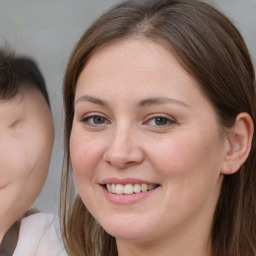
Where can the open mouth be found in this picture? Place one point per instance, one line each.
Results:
(129, 189)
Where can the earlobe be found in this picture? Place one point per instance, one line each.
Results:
(238, 143)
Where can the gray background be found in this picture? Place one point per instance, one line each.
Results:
(47, 30)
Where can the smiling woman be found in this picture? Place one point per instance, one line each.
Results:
(159, 100)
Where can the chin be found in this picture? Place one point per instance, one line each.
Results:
(126, 231)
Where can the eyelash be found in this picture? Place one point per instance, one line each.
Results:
(87, 119)
(167, 119)
(163, 118)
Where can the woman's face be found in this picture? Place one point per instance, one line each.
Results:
(146, 147)
(26, 138)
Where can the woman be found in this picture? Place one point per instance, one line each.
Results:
(160, 110)
(26, 135)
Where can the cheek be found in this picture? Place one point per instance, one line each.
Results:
(189, 169)
(21, 156)
(85, 154)
(187, 154)
(13, 158)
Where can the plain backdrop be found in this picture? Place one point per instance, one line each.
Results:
(48, 30)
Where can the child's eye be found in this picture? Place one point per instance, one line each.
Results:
(160, 121)
(94, 120)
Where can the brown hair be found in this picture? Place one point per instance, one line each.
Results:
(212, 50)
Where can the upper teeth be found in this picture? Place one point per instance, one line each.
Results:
(129, 188)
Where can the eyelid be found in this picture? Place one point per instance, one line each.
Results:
(170, 119)
(86, 117)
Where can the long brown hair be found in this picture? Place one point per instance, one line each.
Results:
(212, 50)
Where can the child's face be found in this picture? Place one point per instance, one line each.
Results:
(26, 139)
(145, 145)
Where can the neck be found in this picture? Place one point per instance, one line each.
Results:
(192, 239)
(166, 247)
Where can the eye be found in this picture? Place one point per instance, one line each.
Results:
(94, 120)
(160, 121)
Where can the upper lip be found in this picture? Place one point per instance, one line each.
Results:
(124, 181)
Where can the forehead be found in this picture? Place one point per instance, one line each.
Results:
(137, 63)
(130, 51)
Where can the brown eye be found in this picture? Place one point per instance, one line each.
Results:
(161, 121)
(94, 120)
(98, 120)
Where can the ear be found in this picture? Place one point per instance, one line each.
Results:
(238, 144)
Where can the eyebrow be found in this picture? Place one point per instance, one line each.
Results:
(142, 103)
(92, 100)
(161, 100)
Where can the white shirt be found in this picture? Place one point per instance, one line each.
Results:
(39, 236)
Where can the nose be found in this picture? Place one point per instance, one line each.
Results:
(123, 150)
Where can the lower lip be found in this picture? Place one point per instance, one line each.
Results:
(127, 199)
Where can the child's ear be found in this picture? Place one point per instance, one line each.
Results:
(238, 144)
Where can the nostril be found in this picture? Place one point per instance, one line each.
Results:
(123, 158)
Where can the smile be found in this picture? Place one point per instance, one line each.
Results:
(129, 189)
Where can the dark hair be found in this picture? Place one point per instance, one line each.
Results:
(17, 73)
(212, 50)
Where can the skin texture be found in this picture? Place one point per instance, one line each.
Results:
(185, 155)
(26, 135)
